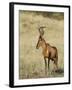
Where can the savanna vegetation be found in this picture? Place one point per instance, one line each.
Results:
(31, 62)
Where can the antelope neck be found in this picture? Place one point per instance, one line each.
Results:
(43, 45)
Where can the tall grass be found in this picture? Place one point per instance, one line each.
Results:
(31, 62)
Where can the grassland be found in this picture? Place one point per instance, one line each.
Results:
(31, 62)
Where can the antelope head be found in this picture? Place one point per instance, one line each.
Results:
(40, 40)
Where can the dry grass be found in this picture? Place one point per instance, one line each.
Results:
(31, 59)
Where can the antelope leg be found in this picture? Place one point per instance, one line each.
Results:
(48, 63)
(45, 66)
(56, 64)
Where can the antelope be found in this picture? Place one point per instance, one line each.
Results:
(49, 52)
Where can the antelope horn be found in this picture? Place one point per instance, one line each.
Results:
(41, 31)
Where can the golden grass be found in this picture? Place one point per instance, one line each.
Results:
(31, 62)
